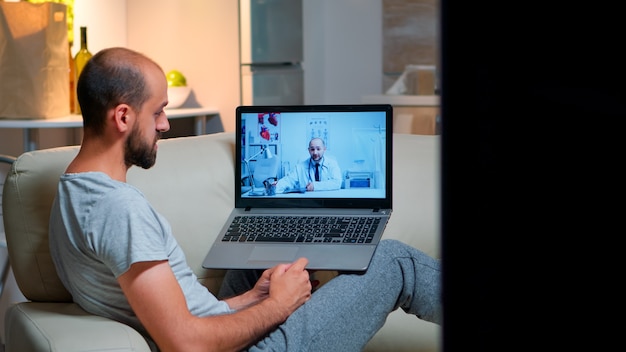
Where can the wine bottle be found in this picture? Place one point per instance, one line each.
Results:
(82, 56)
(72, 73)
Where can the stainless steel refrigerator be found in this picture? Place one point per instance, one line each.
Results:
(271, 52)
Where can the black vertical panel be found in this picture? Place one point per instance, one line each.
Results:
(533, 99)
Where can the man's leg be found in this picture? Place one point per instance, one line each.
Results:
(237, 282)
(346, 312)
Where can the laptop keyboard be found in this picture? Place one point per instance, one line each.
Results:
(304, 229)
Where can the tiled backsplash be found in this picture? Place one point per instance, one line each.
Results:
(410, 37)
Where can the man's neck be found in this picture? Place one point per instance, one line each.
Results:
(98, 157)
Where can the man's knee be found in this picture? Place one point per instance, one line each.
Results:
(389, 246)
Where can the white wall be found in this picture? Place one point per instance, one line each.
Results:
(198, 38)
(105, 21)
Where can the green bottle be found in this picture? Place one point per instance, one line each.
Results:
(82, 56)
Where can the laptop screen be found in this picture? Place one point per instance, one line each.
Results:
(336, 156)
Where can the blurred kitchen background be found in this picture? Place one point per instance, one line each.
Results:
(353, 51)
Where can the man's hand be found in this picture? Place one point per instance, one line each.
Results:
(309, 187)
(290, 285)
(283, 279)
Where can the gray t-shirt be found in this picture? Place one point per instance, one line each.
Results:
(98, 228)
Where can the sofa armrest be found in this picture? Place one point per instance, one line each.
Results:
(33, 326)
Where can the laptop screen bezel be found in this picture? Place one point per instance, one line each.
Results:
(279, 202)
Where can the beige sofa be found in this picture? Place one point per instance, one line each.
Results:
(192, 186)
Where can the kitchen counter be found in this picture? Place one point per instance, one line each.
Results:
(30, 126)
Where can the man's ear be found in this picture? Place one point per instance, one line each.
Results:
(122, 118)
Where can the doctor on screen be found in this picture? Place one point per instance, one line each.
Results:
(317, 173)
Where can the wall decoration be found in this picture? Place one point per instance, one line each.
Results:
(269, 126)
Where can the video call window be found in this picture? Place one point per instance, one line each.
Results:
(275, 144)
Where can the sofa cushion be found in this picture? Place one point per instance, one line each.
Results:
(56, 326)
(28, 193)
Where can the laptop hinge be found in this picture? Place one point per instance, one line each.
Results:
(375, 210)
(248, 208)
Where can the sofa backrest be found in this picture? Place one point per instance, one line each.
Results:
(191, 185)
(28, 194)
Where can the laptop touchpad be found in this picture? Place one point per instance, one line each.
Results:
(274, 253)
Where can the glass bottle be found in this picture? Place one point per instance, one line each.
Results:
(80, 60)
(72, 73)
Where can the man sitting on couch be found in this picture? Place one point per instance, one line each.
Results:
(118, 258)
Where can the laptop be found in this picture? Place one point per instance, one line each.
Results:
(338, 224)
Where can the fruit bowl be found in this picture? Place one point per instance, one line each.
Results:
(177, 96)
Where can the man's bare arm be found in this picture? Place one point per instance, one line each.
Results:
(159, 303)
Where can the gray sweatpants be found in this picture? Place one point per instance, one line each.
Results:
(345, 313)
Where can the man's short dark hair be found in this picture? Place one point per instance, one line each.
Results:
(111, 77)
